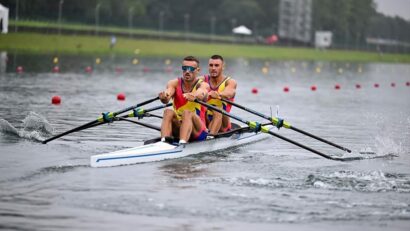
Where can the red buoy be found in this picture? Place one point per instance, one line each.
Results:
(56, 69)
(313, 88)
(393, 84)
(118, 70)
(376, 85)
(255, 90)
(145, 69)
(408, 84)
(168, 69)
(337, 86)
(358, 86)
(286, 89)
(56, 99)
(88, 69)
(121, 96)
(19, 69)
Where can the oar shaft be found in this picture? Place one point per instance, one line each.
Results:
(97, 122)
(247, 109)
(290, 127)
(302, 146)
(320, 139)
(269, 132)
(141, 123)
(138, 105)
(158, 107)
(90, 124)
(221, 111)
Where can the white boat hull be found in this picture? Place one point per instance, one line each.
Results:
(162, 150)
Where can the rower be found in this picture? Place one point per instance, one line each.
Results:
(221, 86)
(187, 119)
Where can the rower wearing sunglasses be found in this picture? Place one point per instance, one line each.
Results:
(187, 119)
(221, 86)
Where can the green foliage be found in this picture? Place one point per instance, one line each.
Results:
(90, 45)
(351, 21)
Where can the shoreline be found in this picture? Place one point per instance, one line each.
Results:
(37, 43)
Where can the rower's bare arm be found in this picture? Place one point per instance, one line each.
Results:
(230, 89)
(202, 92)
(166, 95)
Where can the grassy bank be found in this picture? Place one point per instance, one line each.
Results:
(90, 45)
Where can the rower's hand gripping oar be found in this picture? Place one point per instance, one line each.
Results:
(105, 118)
(281, 123)
(258, 127)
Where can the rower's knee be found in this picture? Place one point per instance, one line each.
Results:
(168, 114)
(217, 116)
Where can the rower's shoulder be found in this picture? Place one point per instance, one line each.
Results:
(173, 81)
(230, 80)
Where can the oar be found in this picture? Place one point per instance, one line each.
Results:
(136, 112)
(264, 129)
(139, 123)
(140, 112)
(279, 123)
(101, 120)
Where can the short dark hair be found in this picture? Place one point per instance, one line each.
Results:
(217, 57)
(191, 58)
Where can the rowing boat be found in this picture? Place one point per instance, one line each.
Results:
(156, 150)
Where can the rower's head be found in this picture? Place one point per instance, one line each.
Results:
(190, 68)
(216, 66)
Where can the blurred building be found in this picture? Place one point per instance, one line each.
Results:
(295, 20)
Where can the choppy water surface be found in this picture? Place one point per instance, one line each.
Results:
(271, 184)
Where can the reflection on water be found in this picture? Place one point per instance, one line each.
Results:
(3, 61)
(269, 182)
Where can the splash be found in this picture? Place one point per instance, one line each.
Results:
(374, 181)
(386, 145)
(35, 127)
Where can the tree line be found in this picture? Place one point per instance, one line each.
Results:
(351, 21)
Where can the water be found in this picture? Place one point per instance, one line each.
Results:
(263, 186)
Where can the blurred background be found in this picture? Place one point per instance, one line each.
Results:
(372, 25)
